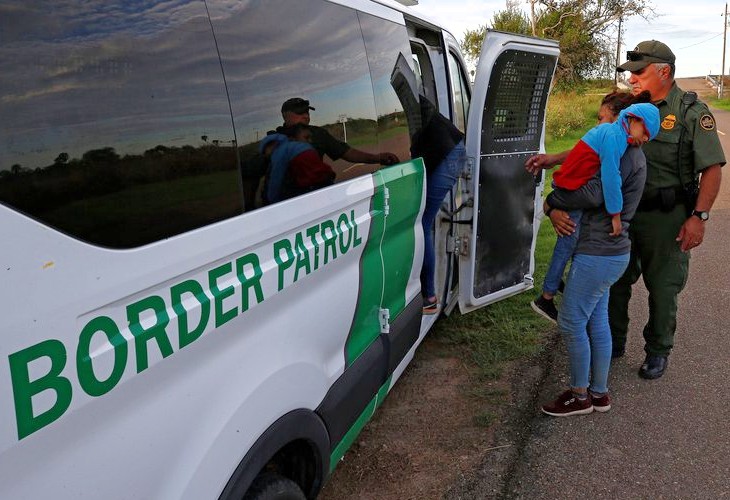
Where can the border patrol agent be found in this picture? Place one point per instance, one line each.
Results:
(683, 178)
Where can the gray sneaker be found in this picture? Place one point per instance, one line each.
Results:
(545, 308)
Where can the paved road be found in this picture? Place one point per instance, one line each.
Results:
(663, 439)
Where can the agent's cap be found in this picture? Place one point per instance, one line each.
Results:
(646, 53)
(296, 105)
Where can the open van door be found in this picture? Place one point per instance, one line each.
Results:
(506, 125)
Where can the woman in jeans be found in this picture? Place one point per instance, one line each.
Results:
(599, 260)
(441, 145)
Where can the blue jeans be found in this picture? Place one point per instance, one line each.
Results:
(438, 184)
(563, 251)
(583, 318)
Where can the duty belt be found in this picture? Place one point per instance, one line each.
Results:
(664, 199)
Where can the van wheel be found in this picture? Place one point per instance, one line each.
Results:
(271, 486)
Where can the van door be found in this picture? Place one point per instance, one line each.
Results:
(506, 125)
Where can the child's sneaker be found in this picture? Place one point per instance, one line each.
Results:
(568, 404)
(601, 404)
(545, 308)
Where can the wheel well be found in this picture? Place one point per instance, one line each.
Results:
(298, 462)
(296, 446)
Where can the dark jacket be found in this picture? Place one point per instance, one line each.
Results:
(436, 138)
(594, 238)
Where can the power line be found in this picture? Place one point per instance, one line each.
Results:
(711, 38)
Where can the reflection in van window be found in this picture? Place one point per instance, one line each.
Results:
(119, 132)
(280, 60)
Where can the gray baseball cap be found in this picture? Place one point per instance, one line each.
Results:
(646, 53)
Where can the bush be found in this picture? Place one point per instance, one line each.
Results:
(568, 111)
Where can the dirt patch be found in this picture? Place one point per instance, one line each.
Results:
(431, 431)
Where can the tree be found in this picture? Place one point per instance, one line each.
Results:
(585, 29)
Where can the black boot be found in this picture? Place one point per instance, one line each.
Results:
(653, 367)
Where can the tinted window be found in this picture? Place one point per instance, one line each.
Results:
(115, 123)
(384, 42)
(461, 93)
(276, 50)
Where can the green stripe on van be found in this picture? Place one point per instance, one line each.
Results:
(352, 434)
(387, 259)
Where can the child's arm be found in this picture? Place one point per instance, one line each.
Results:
(612, 147)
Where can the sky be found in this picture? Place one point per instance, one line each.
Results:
(693, 29)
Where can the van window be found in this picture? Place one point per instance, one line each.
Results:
(119, 131)
(425, 70)
(384, 42)
(460, 88)
(283, 53)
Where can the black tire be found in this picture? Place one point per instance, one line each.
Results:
(270, 486)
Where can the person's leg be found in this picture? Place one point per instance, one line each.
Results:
(589, 281)
(618, 301)
(438, 184)
(598, 330)
(665, 269)
(562, 252)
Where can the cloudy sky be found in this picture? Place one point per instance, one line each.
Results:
(693, 29)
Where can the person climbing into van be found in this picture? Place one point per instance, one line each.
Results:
(296, 111)
(441, 145)
(601, 147)
(294, 166)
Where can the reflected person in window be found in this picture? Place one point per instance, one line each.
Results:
(294, 167)
(296, 111)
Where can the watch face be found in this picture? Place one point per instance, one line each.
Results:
(701, 215)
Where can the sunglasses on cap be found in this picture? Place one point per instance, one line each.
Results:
(633, 55)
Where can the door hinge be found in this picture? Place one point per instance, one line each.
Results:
(386, 200)
(528, 280)
(458, 245)
(384, 317)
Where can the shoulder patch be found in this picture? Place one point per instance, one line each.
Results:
(707, 122)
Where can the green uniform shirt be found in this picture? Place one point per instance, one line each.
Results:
(700, 144)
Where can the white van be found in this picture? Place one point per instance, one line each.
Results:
(163, 336)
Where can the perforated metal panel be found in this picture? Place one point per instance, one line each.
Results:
(511, 128)
(515, 105)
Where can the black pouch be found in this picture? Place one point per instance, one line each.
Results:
(667, 199)
(691, 192)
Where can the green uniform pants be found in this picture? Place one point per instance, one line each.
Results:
(656, 255)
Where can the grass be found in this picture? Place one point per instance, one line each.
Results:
(723, 103)
(509, 330)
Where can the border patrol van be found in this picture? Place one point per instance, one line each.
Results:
(162, 336)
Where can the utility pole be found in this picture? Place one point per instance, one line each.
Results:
(721, 87)
(618, 53)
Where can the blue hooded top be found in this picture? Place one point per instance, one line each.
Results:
(603, 146)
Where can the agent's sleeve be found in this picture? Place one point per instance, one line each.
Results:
(706, 147)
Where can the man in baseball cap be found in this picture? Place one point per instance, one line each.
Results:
(295, 111)
(650, 51)
(683, 174)
(296, 105)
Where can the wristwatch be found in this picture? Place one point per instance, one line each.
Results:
(703, 216)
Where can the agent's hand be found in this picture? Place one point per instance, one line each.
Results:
(691, 234)
(561, 222)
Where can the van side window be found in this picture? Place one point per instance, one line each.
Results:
(272, 52)
(460, 88)
(384, 42)
(119, 132)
(425, 70)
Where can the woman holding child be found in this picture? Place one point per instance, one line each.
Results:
(602, 249)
